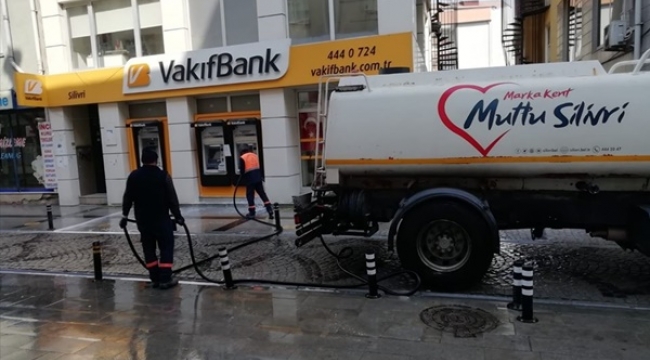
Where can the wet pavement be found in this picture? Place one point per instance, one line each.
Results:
(569, 264)
(65, 317)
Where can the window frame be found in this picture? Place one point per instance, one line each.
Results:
(98, 61)
(331, 23)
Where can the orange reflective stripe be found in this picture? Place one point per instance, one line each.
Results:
(152, 264)
(251, 162)
(267, 203)
(165, 265)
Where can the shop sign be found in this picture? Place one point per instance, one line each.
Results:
(8, 143)
(33, 90)
(204, 72)
(11, 143)
(263, 61)
(47, 154)
(6, 100)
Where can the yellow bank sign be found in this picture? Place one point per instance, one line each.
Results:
(257, 66)
(248, 63)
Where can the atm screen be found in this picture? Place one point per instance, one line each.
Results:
(214, 159)
(149, 138)
(214, 154)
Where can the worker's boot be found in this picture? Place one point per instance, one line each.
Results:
(269, 209)
(169, 284)
(250, 215)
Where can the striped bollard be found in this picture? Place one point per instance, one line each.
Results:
(371, 270)
(97, 260)
(516, 286)
(225, 267)
(527, 295)
(276, 214)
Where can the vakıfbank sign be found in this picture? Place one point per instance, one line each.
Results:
(208, 67)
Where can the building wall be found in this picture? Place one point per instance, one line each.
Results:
(479, 36)
(556, 15)
(23, 34)
(595, 21)
(189, 25)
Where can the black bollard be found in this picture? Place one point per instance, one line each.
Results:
(276, 214)
(527, 295)
(225, 267)
(516, 286)
(50, 217)
(97, 260)
(371, 270)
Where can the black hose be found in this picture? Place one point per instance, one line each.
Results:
(344, 253)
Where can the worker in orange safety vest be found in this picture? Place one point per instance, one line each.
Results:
(251, 175)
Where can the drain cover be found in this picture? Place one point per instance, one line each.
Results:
(462, 321)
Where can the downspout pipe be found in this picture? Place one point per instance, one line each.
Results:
(37, 36)
(638, 28)
(8, 38)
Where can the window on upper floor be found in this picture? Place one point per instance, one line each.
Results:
(108, 33)
(603, 11)
(322, 20)
(217, 23)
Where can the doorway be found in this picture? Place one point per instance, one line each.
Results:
(90, 156)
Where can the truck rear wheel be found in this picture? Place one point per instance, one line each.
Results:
(446, 243)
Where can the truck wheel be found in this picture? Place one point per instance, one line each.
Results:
(446, 243)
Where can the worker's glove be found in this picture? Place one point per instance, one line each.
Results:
(179, 220)
(123, 223)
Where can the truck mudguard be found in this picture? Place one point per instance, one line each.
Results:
(441, 194)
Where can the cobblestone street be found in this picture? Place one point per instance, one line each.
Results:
(569, 266)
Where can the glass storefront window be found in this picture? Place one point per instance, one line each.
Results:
(355, 18)
(308, 20)
(245, 102)
(21, 162)
(307, 120)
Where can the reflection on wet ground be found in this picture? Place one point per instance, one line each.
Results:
(199, 218)
(48, 317)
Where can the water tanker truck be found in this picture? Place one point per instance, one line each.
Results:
(450, 158)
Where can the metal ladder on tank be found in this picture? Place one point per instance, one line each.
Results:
(322, 107)
(638, 64)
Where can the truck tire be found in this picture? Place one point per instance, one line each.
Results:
(447, 243)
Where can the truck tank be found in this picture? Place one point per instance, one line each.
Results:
(524, 121)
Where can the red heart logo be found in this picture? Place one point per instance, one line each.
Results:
(460, 132)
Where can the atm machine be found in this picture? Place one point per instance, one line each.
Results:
(149, 134)
(244, 134)
(220, 143)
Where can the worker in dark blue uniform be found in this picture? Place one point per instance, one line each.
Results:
(151, 191)
(251, 176)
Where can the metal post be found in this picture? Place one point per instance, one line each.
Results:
(97, 260)
(50, 218)
(516, 286)
(371, 270)
(276, 214)
(225, 267)
(527, 295)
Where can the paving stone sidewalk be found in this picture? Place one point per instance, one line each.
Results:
(54, 317)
